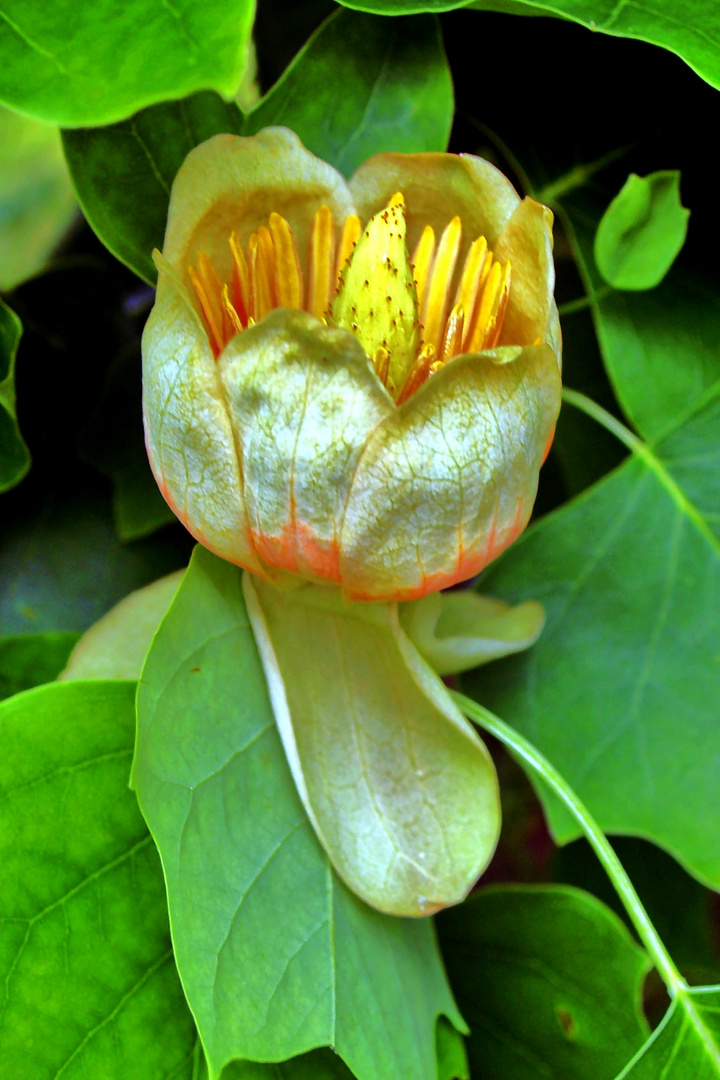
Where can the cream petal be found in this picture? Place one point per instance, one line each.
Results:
(234, 182)
(436, 188)
(447, 481)
(303, 400)
(187, 430)
(527, 242)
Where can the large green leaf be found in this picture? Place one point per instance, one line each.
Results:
(275, 954)
(397, 90)
(687, 1042)
(37, 203)
(90, 987)
(14, 456)
(123, 173)
(692, 31)
(549, 981)
(111, 59)
(397, 94)
(621, 690)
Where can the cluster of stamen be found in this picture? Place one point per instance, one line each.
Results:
(444, 322)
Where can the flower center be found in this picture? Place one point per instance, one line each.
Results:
(411, 314)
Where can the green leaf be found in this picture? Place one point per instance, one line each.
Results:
(110, 60)
(28, 660)
(620, 690)
(401, 791)
(116, 646)
(456, 631)
(14, 454)
(550, 982)
(275, 954)
(396, 90)
(691, 32)
(123, 173)
(659, 348)
(687, 1042)
(113, 442)
(37, 203)
(641, 232)
(451, 1054)
(90, 987)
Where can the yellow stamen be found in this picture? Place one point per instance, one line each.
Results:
(381, 362)
(208, 286)
(288, 274)
(418, 374)
(422, 261)
(231, 321)
(434, 311)
(350, 236)
(488, 306)
(322, 250)
(468, 290)
(241, 279)
(260, 288)
(452, 343)
(498, 314)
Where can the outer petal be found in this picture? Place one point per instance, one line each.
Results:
(401, 791)
(526, 240)
(436, 188)
(187, 430)
(303, 400)
(448, 480)
(231, 182)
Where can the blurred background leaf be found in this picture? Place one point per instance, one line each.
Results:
(14, 455)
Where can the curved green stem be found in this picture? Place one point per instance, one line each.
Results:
(615, 871)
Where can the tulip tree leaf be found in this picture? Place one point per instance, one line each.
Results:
(402, 792)
(68, 71)
(123, 173)
(451, 1053)
(397, 90)
(641, 232)
(686, 1043)
(397, 96)
(14, 455)
(620, 691)
(550, 982)
(276, 955)
(28, 660)
(37, 203)
(90, 986)
(659, 348)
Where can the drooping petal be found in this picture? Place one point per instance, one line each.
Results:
(437, 188)
(400, 789)
(302, 399)
(234, 184)
(448, 480)
(189, 439)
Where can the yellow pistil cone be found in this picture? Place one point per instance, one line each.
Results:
(376, 296)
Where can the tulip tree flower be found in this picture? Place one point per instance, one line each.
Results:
(354, 384)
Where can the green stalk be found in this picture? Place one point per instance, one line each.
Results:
(615, 871)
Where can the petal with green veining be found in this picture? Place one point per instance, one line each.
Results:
(401, 790)
(448, 480)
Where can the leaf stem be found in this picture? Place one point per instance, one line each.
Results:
(583, 302)
(596, 837)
